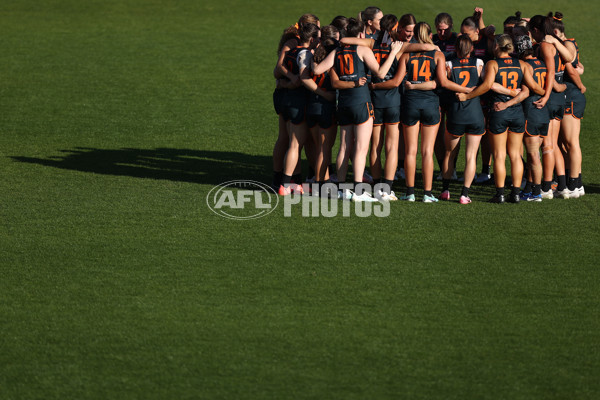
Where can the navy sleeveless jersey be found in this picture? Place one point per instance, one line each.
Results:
(559, 76)
(350, 67)
(464, 72)
(509, 75)
(421, 68)
(385, 98)
(567, 78)
(539, 75)
(291, 63)
(448, 46)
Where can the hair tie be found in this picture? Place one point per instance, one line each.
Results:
(395, 26)
(296, 26)
(558, 19)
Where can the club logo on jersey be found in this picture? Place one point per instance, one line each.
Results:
(242, 199)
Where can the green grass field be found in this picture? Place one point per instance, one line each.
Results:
(116, 120)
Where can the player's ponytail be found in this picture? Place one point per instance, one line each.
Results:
(288, 34)
(504, 44)
(355, 27)
(423, 32)
(293, 31)
(325, 47)
(464, 46)
(555, 22)
(470, 23)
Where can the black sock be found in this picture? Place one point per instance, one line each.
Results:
(311, 172)
(445, 184)
(388, 183)
(562, 183)
(375, 182)
(499, 191)
(465, 191)
(528, 187)
(572, 184)
(546, 185)
(428, 193)
(579, 183)
(410, 190)
(485, 169)
(515, 191)
(297, 179)
(277, 178)
(356, 183)
(286, 180)
(536, 190)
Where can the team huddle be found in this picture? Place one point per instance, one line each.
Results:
(383, 80)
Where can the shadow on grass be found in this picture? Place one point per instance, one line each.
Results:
(203, 166)
(184, 165)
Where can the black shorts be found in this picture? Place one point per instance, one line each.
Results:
(354, 114)
(459, 130)
(556, 105)
(536, 129)
(555, 111)
(278, 98)
(446, 99)
(536, 120)
(294, 108)
(465, 117)
(321, 113)
(427, 115)
(512, 119)
(575, 102)
(388, 116)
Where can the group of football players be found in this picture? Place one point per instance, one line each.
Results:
(385, 81)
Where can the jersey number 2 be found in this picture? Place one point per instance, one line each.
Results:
(466, 76)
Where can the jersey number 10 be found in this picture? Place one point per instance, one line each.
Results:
(346, 64)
